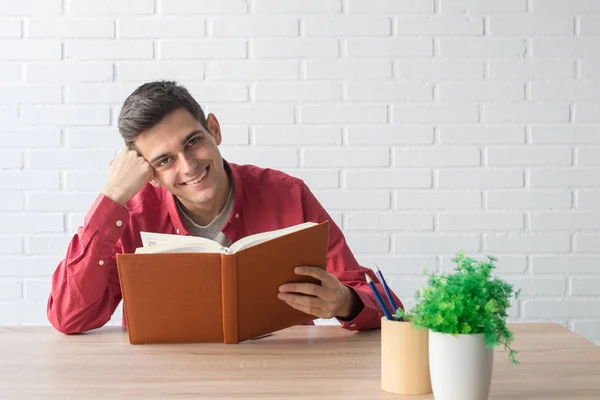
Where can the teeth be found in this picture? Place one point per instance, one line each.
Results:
(197, 180)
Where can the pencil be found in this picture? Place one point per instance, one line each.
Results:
(386, 289)
(378, 298)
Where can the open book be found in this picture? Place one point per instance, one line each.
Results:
(165, 243)
(188, 289)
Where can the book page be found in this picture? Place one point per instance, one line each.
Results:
(257, 238)
(188, 247)
(166, 243)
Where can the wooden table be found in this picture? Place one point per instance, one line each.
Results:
(319, 362)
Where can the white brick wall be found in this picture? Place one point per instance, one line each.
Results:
(423, 126)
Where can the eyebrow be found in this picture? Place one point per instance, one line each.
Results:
(183, 142)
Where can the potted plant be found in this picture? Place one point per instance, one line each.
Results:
(465, 313)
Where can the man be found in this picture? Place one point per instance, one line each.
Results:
(171, 178)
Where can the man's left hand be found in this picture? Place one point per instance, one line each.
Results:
(331, 299)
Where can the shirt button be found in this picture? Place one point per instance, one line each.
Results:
(119, 222)
(177, 231)
(237, 215)
(101, 262)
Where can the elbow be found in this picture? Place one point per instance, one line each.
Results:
(64, 323)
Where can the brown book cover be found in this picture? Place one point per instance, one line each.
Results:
(217, 297)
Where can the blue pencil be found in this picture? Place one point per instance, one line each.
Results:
(378, 298)
(386, 289)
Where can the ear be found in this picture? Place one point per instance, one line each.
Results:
(154, 182)
(214, 128)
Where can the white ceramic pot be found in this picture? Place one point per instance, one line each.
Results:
(460, 366)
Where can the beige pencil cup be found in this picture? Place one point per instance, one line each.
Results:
(404, 358)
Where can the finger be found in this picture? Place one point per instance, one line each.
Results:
(318, 273)
(294, 302)
(304, 288)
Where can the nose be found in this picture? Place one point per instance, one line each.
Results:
(189, 165)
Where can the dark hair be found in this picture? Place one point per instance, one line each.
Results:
(150, 103)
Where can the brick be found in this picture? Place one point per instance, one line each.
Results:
(317, 178)
(375, 91)
(234, 135)
(110, 7)
(65, 115)
(588, 157)
(531, 25)
(347, 26)
(262, 157)
(293, 7)
(390, 7)
(38, 289)
(12, 266)
(526, 112)
(297, 135)
(387, 178)
(30, 94)
(201, 49)
(340, 157)
(11, 159)
(570, 264)
(219, 92)
(348, 70)
(535, 156)
(368, 243)
(69, 72)
(405, 287)
(10, 289)
(437, 157)
(252, 114)
(98, 93)
(436, 244)
(274, 91)
(11, 200)
(67, 202)
(564, 47)
(506, 264)
(484, 48)
(10, 28)
(30, 50)
(70, 159)
(10, 72)
(336, 114)
(389, 222)
(389, 135)
(587, 242)
(438, 200)
(576, 91)
(87, 180)
(588, 199)
(439, 70)
(70, 28)
(587, 329)
(165, 27)
(561, 309)
(149, 71)
(564, 221)
(353, 200)
(9, 115)
(440, 25)
(587, 112)
(45, 245)
(31, 223)
(590, 68)
(28, 7)
(434, 113)
(295, 48)
(572, 135)
(480, 179)
(562, 7)
(528, 200)
(232, 70)
(481, 91)
(11, 245)
(461, 134)
(255, 26)
(527, 242)
(93, 138)
(564, 178)
(532, 69)
(23, 313)
(480, 221)
(539, 286)
(483, 6)
(585, 286)
(109, 50)
(389, 47)
(18, 180)
(398, 266)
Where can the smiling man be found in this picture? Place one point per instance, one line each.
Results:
(170, 178)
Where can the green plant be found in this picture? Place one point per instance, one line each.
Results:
(468, 301)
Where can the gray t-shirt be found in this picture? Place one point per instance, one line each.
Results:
(211, 231)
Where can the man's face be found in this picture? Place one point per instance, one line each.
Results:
(186, 159)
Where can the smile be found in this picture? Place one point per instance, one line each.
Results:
(197, 180)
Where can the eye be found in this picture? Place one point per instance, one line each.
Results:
(193, 141)
(164, 162)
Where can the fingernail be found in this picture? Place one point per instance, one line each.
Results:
(281, 296)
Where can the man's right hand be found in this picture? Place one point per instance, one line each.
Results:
(127, 174)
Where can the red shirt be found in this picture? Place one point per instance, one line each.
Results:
(85, 286)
